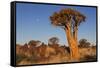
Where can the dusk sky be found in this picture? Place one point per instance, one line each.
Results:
(33, 23)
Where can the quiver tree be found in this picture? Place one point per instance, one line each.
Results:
(69, 20)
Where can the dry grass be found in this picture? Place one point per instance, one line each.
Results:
(48, 54)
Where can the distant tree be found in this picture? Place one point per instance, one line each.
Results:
(53, 40)
(25, 44)
(88, 44)
(34, 43)
(84, 43)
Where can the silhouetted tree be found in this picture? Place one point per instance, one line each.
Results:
(53, 40)
(84, 43)
(34, 43)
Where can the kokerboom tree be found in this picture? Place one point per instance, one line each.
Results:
(69, 19)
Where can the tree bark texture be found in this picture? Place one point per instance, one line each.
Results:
(72, 41)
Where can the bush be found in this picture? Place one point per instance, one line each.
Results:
(84, 43)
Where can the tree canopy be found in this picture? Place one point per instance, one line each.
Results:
(34, 42)
(66, 16)
(84, 43)
(53, 40)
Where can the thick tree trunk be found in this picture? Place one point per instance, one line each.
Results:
(75, 33)
(74, 54)
(75, 36)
